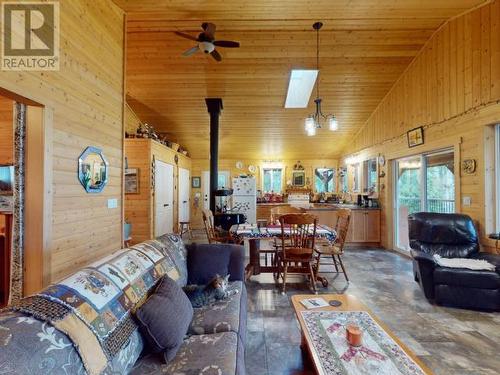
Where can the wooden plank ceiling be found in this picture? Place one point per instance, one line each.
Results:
(365, 46)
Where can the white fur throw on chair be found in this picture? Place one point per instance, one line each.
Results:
(472, 264)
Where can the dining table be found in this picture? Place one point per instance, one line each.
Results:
(254, 234)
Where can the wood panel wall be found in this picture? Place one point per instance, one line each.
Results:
(200, 165)
(132, 121)
(139, 208)
(6, 131)
(86, 99)
(452, 88)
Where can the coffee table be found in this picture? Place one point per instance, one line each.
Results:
(318, 345)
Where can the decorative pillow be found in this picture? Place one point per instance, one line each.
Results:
(205, 261)
(165, 317)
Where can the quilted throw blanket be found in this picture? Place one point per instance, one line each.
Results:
(93, 306)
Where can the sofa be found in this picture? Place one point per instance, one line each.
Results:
(61, 331)
(452, 236)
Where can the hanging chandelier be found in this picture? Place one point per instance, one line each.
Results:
(313, 121)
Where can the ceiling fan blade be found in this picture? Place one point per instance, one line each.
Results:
(187, 36)
(216, 55)
(209, 29)
(191, 51)
(226, 43)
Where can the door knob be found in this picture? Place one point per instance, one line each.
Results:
(165, 205)
(184, 201)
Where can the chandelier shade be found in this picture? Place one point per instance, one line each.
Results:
(314, 120)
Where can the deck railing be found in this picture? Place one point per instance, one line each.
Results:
(433, 205)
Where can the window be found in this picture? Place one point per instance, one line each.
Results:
(370, 174)
(357, 176)
(343, 180)
(423, 183)
(272, 180)
(324, 180)
(221, 182)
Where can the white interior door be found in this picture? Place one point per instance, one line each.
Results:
(184, 193)
(164, 198)
(223, 182)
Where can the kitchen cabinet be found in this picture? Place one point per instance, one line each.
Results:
(264, 209)
(364, 226)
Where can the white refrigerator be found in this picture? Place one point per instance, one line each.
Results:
(245, 198)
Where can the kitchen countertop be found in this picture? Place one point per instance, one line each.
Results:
(272, 204)
(337, 206)
(324, 206)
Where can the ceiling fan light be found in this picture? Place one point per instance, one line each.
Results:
(333, 124)
(206, 47)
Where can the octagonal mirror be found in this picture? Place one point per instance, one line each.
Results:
(92, 170)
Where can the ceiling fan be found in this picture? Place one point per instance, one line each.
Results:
(206, 42)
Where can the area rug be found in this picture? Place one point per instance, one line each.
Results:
(379, 353)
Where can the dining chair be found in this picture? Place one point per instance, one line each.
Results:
(334, 250)
(274, 219)
(213, 234)
(269, 248)
(296, 255)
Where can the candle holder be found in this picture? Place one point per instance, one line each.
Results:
(354, 335)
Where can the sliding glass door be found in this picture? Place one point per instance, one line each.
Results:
(422, 183)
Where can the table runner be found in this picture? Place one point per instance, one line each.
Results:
(243, 231)
(379, 353)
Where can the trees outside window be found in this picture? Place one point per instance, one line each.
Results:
(272, 181)
(324, 180)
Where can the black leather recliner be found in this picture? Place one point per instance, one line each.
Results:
(452, 236)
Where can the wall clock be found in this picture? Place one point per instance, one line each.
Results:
(239, 165)
(252, 169)
(381, 160)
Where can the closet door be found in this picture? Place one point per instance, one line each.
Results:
(164, 198)
(184, 192)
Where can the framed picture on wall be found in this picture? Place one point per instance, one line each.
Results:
(196, 182)
(415, 137)
(298, 178)
(6, 179)
(132, 181)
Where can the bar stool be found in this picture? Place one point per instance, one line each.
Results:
(185, 227)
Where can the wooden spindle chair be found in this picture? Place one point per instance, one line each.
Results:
(335, 249)
(213, 234)
(270, 248)
(296, 255)
(276, 212)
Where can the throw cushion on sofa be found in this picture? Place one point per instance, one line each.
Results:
(205, 261)
(165, 317)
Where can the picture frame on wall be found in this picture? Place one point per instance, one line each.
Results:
(196, 182)
(6, 179)
(132, 181)
(298, 178)
(415, 137)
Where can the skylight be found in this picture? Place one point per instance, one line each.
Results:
(300, 87)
